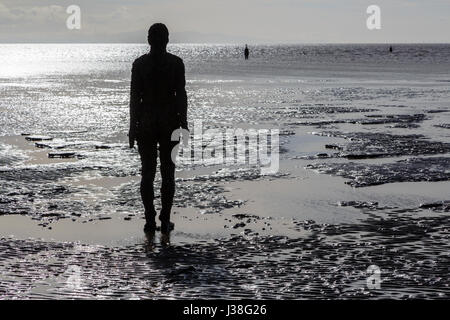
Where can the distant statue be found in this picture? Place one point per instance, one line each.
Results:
(246, 52)
(158, 106)
(390, 49)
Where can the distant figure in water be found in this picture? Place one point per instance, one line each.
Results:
(158, 106)
(390, 49)
(246, 52)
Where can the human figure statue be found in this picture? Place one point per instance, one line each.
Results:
(246, 52)
(158, 106)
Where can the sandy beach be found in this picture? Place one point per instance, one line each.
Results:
(363, 176)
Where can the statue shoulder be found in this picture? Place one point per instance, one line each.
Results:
(175, 59)
(140, 61)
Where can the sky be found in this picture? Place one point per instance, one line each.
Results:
(227, 21)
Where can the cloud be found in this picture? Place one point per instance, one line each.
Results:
(222, 21)
(5, 15)
(29, 15)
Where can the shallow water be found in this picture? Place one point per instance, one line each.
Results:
(70, 210)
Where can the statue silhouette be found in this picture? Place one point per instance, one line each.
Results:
(246, 52)
(158, 106)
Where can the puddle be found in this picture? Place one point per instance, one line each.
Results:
(34, 155)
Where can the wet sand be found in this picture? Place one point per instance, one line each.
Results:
(254, 238)
(363, 179)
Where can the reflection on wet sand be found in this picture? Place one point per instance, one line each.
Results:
(327, 261)
(151, 238)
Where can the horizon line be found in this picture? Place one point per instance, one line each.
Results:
(225, 43)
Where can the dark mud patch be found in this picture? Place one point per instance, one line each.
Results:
(441, 206)
(443, 125)
(317, 109)
(404, 125)
(77, 144)
(236, 174)
(400, 120)
(367, 145)
(393, 106)
(246, 216)
(37, 138)
(409, 170)
(62, 155)
(44, 173)
(437, 111)
(366, 206)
